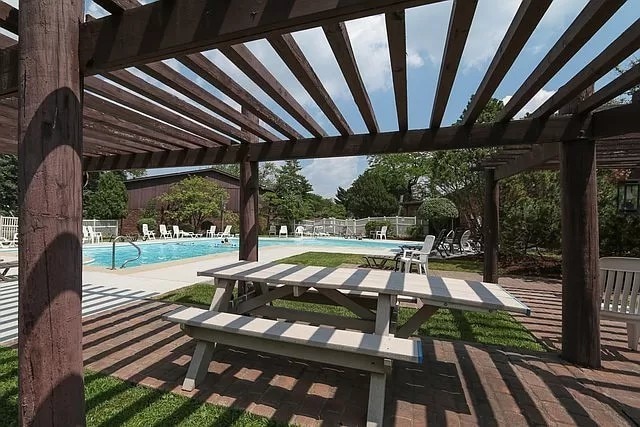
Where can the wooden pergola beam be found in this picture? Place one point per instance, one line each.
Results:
(522, 26)
(538, 155)
(627, 80)
(340, 44)
(116, 7)
(287, 48)
(618, 50)
(247, 62)
(459, 25)
(397, 40)
(586, 24)
(8, 17)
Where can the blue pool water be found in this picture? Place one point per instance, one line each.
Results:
(160, 251)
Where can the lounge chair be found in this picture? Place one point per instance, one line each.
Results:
(6, 266)
(439, 244)
(6, 243)
(380, 261)
(164, 233)
(299, 232)
(318, 231)
(95, 236)
(177, 233)
(283, 231)
(272, 231)
(226, 232)
(455, 240)
(146, 233)
(211, 232)
(382, 234)
(420, 257)
(14, 242)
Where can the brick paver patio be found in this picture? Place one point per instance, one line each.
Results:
(458, 384)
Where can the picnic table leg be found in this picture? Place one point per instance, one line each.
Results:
(377, 384)
(204, 350)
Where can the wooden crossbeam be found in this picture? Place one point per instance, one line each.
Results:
(538, 155)
(459, 25)
(247, 62)
(614, 88)
(623, 46)
(116, 7)
(154, 93)
(8, 17)
(293, 57)
(211, 73)
(177, 81)
(397, 39)
(340, 43)
(590, 20)
(522, 26)
(483, 135)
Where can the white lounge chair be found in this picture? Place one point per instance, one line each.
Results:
(147, 233)
(299, 232)
(318, 231)
(272, 231)
(283, 231)
(211, 232)
(382, 233)
(226, 232)
(6, 243)
(95, 236)
(14, 242)
(421, 257)
(85, 236)
(164, 233)
(176, 232)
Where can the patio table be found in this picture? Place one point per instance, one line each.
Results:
(349, 288)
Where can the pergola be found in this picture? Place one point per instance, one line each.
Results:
(70, 121)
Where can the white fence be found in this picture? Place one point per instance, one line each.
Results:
(9, 226)
(340, 227)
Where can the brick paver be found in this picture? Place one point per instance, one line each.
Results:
(459, 384)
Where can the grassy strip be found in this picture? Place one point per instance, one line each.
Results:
(110, 402)
(323, 259)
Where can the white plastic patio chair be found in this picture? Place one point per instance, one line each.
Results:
(382, 233)
(211, 232)
(14, 242)
(85, 236)
(283, 231)
(164, 233)
(147, 233)
(421, 257)
(299, 232)
(226, 232)
(465, 246)
(272, 231)
(176, 232)
(6, 243)
(96, 236)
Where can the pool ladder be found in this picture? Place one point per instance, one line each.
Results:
(113, 252)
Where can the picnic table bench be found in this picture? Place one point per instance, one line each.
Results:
(5, 266)
(369, 342)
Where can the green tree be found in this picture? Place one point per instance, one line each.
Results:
(401, 173)
(438, 211)
(291, 189)
(325, 208)
(8, 185)
(231, 169)
(109, 200)
(194, 199)
(368, 196)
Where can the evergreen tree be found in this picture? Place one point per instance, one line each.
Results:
(109, 200)
(368, 196)
(291, 189)
(8, 185)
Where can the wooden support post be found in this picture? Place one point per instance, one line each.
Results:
(491, 226)
(51, 389)
(580, 253)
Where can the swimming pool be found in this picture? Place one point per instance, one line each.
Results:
(163, 251)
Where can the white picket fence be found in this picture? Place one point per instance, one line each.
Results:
(339, 227)
(9, 226)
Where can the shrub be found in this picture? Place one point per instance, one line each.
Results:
(151, 222)
(416, 232)
(438, 211)
(187, 227)
(376, 225)
(232, 219)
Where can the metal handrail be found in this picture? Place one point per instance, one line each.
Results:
(113, 252)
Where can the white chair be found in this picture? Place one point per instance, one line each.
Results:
(96, 236)
(211, 232)
(272, 231)
(164, 233)
(6, 243)
(620, 287)
(382, 233)
(85, 236)
(283, 231)
(421, 257)
(176, 232)
(13, 243)
(148, 234)
(319, 231)
(465, 246)
(226, 232)
(299, 232)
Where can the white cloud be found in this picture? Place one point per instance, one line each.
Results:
(537, 100)
(326, 175)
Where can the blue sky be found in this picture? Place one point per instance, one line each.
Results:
(426, 32)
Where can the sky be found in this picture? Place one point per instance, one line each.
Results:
(426, 28)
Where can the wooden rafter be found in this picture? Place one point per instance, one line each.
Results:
(538, 155)
(116, 7)
(338, 39)
(459, 25)
(590, 19)
(614, 88)
(247, 62)
(623, 46)
(522, 26)
(397, 39)
(8, 17)
(287, 48)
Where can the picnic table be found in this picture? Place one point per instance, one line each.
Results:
(369, 342)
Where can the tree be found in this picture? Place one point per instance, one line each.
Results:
(194, 199)
(291, 189)
(325, 208)
(9, 185)
(438, 211)
(342, 197)
(109, 200)
(368, 196)
(231, 169)
(401, 173)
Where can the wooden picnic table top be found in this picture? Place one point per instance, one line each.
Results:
(441, 291)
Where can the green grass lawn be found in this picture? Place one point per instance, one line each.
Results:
(323, 259)
(113, 402)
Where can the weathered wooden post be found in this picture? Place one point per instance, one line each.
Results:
(50, 189)
(491, 226)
